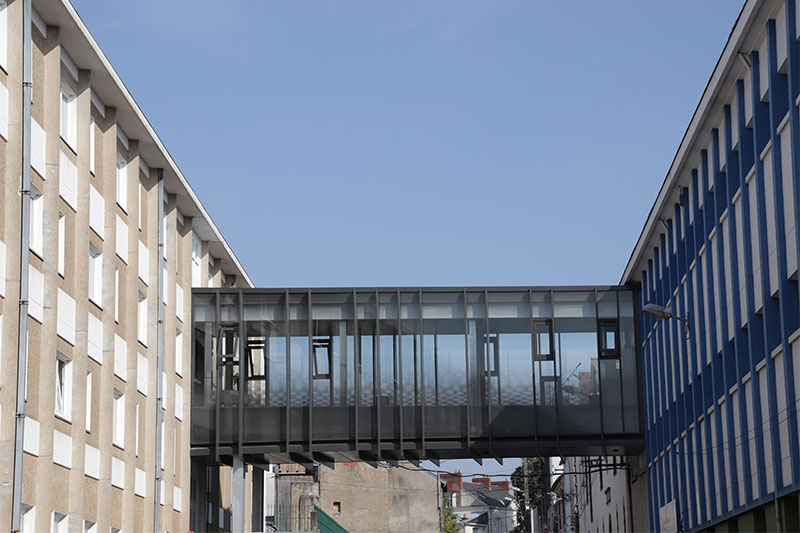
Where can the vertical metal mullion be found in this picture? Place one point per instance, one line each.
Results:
(533, 372)
(599, 371)
(466, 359)
(356, 365)
(619, 351)
(422, 370)
(488, 369)
(376, 371)
(288, 336)
(466, 367)
(242, 376)
(310, 375)
(436, 369)
(217, 398)
(556, 368)
(400, 365)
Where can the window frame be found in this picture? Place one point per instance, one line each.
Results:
(121, 179)
(141, 318)
(68, 112)
(36, 239)
(63, 387)
(118, 420)
(95, 272)
(605, 326)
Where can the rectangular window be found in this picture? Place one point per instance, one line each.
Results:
(63, 386)
(543, 339)
(116, 295)
(122, 182)
(91, 145)
(28, 519)
(88, 402)
(178, 352)
(89, 527)
(608, 330)
(62, 234)
(37, 222)
(142, 315)
(137, 429)
(95, 275)
(3, 36)
(69, 115)
(118, 436)
(60, 523)
(163, 441)
(140, 205)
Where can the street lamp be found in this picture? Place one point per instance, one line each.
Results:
(663, 313)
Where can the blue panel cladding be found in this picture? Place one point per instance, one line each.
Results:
(732, 175)
(764, 323)
(787, 295)
(724, 346)
(793, 90)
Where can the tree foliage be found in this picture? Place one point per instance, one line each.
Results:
(450, 523)
(536, 489)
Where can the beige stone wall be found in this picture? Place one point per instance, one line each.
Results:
(105, 492)
(392, 500)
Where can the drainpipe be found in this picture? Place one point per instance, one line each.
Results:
(25, 200)
(160, 354)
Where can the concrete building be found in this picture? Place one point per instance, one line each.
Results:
(720, 250)
(358, 497)
(102, 444)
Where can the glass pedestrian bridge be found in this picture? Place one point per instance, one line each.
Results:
(387, 374)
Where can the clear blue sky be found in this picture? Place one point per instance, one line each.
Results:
(420, 142)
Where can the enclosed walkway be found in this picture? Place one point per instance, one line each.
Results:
(414, 373)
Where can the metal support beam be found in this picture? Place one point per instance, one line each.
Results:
(324, 459)
(238, 474)
(25, 208)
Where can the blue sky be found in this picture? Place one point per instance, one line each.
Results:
(420, 142)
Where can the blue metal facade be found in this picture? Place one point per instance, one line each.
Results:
(721, 417)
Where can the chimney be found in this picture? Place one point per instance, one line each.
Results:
(485, 481)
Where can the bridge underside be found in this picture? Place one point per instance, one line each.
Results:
(413, 374)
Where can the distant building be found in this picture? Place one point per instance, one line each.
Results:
(481, 505)
(359, 497)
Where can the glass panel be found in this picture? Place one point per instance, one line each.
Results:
(476, 346)
(299, 351)
(541, 305)
(576, 350)
(543, 339)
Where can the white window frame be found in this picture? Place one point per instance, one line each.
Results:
(3, 36)
(89, 401)
(136, 445)
(141, 319)
(37, 222)
(122, 182)
(178, 352)
(59, 523)
(95, 275)
(69, 114)
(63, 392)
(92, 148)
(62, 243)
(89, 527)
(118, 419)
(116, 295)
(28, 519)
